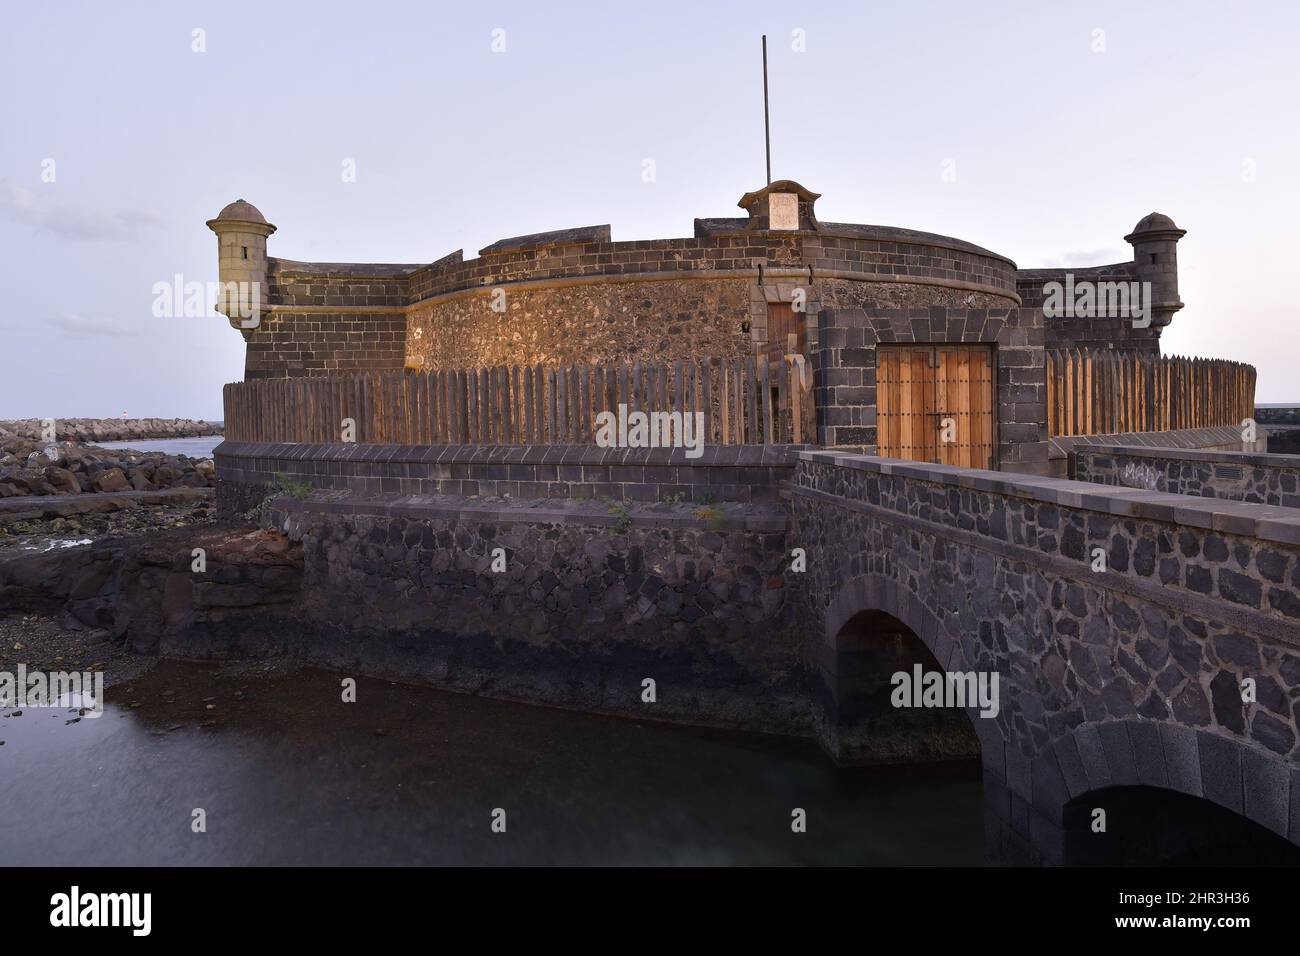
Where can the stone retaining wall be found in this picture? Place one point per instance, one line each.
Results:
(1219, 438)
(582, 607)
(723, 473)
(1278, 415)
(1252, 477)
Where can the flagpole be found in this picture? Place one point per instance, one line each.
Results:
(767, 129)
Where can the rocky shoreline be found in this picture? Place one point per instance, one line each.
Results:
(66, 493)
(28, 467)
(50, 526)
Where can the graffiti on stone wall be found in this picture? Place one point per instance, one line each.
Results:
(1136, 475)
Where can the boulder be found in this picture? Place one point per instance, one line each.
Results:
(64, 481)
(140, 480)
(28, 481)
(73, 454)
(111, 480)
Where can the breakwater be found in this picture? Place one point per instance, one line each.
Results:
(91, 430)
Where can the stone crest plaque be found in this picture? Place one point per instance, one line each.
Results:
(783, 211)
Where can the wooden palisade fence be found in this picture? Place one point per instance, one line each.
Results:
(744, 401)
(1112, 392)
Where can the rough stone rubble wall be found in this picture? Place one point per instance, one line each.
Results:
(568, 324)
(592, 301)
(583, 613)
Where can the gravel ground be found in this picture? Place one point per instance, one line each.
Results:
(46, 644)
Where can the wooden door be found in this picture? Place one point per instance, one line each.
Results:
(904, 399)
(935, 403)
(782, 322)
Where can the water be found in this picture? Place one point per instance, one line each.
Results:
(289, 774)
(193, 447)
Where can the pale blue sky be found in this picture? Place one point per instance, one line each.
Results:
(1059, 150)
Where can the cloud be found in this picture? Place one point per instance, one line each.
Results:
(81, 327)
(1080, 260)
(72, 225)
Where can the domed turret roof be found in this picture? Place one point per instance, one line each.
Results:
(1156, 224)
(1154, 220)
(242, 211)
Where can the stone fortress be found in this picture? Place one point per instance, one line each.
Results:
(731, 290)
(778, 580)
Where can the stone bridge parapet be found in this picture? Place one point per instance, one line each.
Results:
(1261, 478)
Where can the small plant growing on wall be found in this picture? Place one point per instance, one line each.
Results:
(281, 484)
(622, 511)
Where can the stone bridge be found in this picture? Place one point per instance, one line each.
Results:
(1123, 625)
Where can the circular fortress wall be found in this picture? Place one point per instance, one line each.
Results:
(563, 323)
(577, 297)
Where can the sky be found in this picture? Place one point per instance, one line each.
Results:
(127, 125)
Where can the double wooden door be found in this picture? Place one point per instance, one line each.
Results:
(935, 403)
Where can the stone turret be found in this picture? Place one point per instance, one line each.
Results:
(242, 232)
(782, 206)
(1155, 258)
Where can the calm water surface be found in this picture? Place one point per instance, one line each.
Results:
(288, 774)
(193, 447)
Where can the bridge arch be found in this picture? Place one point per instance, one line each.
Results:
(1104, 761)
(874, 605)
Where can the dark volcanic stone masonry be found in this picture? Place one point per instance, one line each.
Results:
(1093, 331)
(590, 602)
(735, 473)
(845, 372)
(995, 574)
(1278, 415)
(1260, 478)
